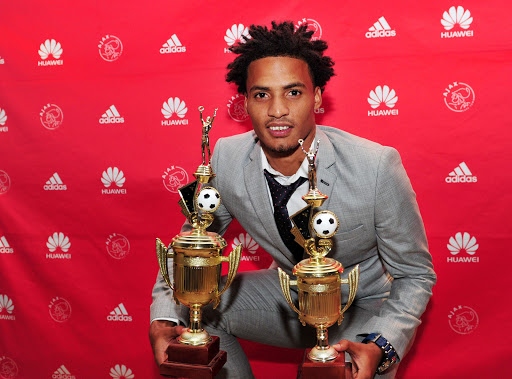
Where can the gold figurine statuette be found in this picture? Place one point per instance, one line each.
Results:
(204, 172)
(318, 278)
(197, 256)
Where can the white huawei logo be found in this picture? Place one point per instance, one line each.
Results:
(50, 47)
(174, 105)
(58, 240)
(113, 175)
(235, 34)
(121, 371)
(462, 243)
(6, 303)
(382, 95)
(457, 16)
(247, 242)
(3, 117)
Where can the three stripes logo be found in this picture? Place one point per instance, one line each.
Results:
(55, 184)
(111, 116)
(4, 246)
(119, 314)
(380, 29)
(461, 174)
(173, 45)
(62, 373)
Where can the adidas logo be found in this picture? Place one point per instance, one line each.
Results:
(6, 308)
(3, 120)
(53, 48)
(4, 246)
(461, 174)
(380, 29)
(113, 176)
(174, 106)
(62, 373)
(173, 45)
(463, 243)
(111, 116)
(457, 16)
(382, 95)
(55, 183)
(235, 34)
(119, 314)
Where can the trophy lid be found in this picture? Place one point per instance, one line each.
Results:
(317, 267)
(198, 239)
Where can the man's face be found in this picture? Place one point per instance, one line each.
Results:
(281, 100)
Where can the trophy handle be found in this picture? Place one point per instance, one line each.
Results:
(234, 262)
(162, 253)
(353, 282)
(284, 280)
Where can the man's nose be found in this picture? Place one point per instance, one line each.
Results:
(278, 108)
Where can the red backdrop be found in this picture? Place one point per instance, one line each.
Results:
(82, 88)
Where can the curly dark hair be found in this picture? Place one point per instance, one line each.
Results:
(281, 41)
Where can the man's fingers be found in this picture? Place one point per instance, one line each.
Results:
(343, 345)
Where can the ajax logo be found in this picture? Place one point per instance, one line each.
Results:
(8, 368)
(463, 319)
(51, 116)
(5, 182)
(236, 108)
(110, 48)
(118, 246)
(60, 309)
(459, 97)
(174, 178)
(313, 26)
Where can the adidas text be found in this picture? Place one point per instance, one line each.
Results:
(320, 111)
(174, 49)
(385, 112)
(119, 318)
(461, 179)
(459, 33)
(111, 120)
(174, 122)
(53, 187)
(380, 33)
(63, 376)
(6, 250)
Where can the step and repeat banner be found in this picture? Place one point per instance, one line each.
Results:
(99, 127)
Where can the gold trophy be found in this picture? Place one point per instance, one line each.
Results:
(318, 278)
(197, 259)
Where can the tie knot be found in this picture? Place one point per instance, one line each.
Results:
(281, 193)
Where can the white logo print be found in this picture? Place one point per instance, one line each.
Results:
(382, 95)
(6, 309)
(8, 368)
(111, 116)
(110, 48)
(119, 314)
(313, 26)
(53, 48)
(2, 60)
(3, 120)
(58, 240)
(4, 246)
(60, 309)
(463, 319)
(51, 116)
(118, 246)
(461, 174)
(113, 176)
(463, 243)
(459, 97)
(174, 106)
(249, 245)
(5, 182)
(55, 183)
(62, 373)
(457, 16)
(235, 34)
(121, 372)
(236, 108)
(380, 29)
(173, 45)
(174, 178)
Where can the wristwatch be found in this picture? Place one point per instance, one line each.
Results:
(390, 355)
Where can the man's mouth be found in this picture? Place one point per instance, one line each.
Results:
(279, 128)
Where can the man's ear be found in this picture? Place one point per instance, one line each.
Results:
(318, 97)
(245, 103)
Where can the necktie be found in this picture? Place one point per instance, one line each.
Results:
(280, 196)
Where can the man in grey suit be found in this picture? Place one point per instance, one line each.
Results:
(282, 74)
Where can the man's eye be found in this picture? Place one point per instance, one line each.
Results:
(295, 92)
(260, 95)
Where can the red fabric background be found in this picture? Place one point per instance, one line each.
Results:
(465, 326)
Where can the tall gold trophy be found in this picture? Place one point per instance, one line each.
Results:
(197, 259)
(318, 279)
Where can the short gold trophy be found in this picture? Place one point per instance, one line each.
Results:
(197, 259)
(318, 279)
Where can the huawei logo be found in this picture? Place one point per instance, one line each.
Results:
(50, 47)
(456, 16)
(58, 240)
(382, 95)
(235, 34)
(113, 176)
(174, 106)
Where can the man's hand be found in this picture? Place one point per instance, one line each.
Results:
(160, 334)
(365, 357)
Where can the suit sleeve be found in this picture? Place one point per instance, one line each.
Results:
(403, 249)
(163, 305)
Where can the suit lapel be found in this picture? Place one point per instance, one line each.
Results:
(326, 179)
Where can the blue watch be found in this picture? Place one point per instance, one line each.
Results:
(390, 355)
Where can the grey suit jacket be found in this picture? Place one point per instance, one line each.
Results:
(380, 224)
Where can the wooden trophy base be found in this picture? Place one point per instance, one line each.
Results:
(194, 362)
(309, 369)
